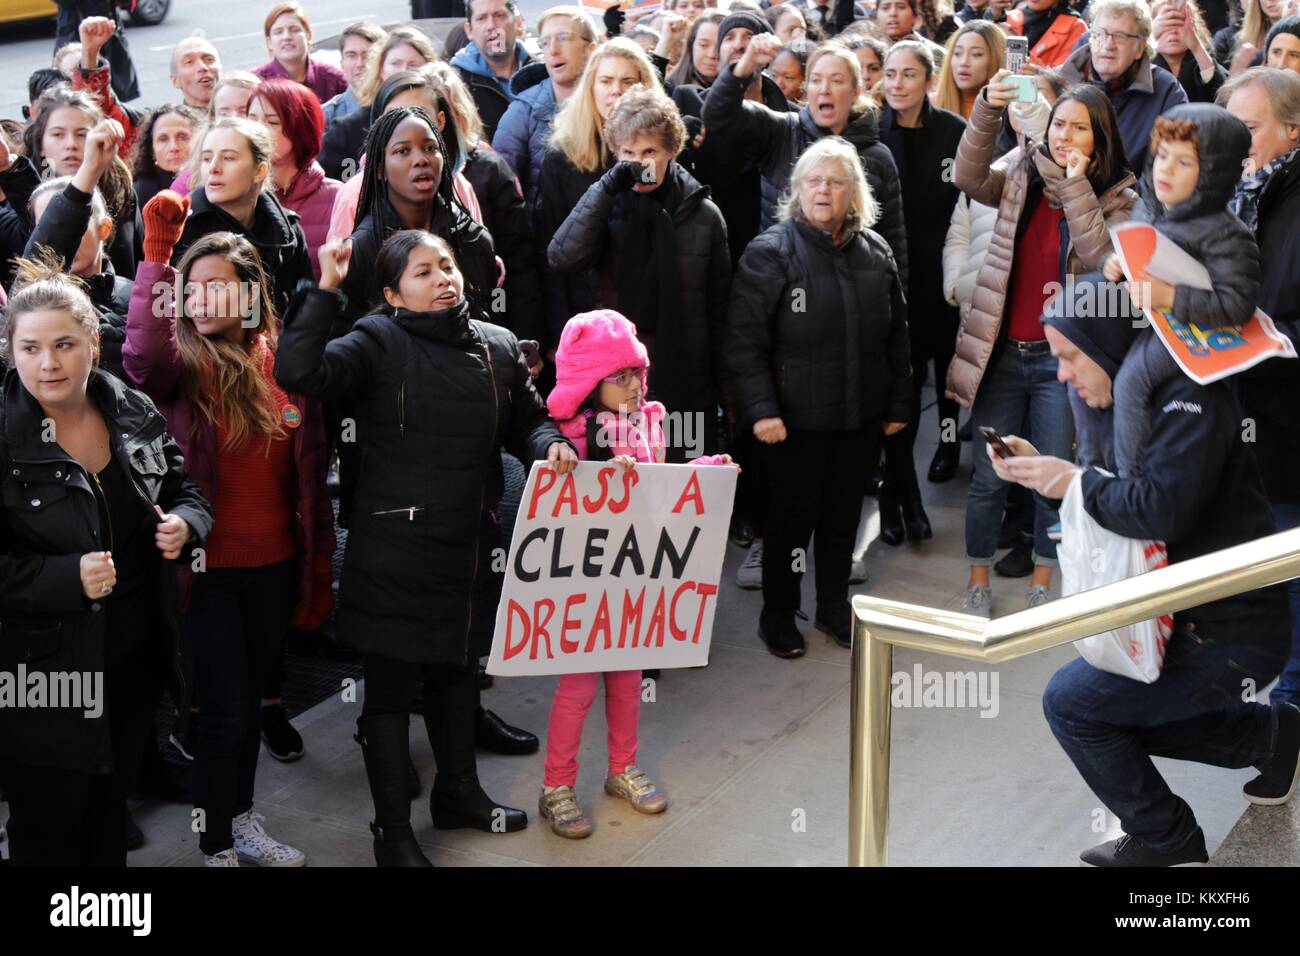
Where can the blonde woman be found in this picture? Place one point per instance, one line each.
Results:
(405, 48)
(974, 53)
(577, 156)
(817, 363)
(1240, 46)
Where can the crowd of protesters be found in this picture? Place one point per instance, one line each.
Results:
(365, 273)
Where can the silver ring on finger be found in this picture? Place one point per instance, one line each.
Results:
(105, 588)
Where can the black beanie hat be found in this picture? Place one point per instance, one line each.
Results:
(1103, 338)
(1289, 25)
(745, 20)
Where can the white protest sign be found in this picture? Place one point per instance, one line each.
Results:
(613, 570)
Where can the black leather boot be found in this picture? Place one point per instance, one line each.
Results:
(493, 734)
(383, 739)
(943, 467)
(459, 803)
(891, 519)
(915, 518)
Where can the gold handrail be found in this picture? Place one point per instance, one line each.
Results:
(880, 625)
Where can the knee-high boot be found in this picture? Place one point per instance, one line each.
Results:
(384, 743)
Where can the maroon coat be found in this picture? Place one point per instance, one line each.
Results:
(323, 79)
(152, 360)
(311, 196)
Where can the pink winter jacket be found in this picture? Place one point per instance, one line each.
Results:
(311, 195)
(641, 436)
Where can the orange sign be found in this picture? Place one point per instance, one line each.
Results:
(1205, 354)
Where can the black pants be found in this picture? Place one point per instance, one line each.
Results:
(751, 485)
(236, 623)
(450, 706)
(126, 85)
(815, 483)
(70, 818)
(900, 464)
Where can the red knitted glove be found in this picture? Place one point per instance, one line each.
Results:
(164, 220)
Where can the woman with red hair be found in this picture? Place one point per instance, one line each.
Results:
(287, 32)
(293, 116)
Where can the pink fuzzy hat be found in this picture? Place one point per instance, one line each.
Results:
(593, 345)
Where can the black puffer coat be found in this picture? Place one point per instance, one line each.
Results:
(779, 139)
(505, 217)
(49, 518)
(593, 237)
(925, 158)
(817, 335)
(436, 397)
(561, 187)
(61, 230)
(276, 234)
(469, 241)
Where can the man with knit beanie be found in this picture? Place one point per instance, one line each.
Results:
(734, 34)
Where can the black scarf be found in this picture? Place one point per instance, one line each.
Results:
(649, 290)
(1038, 22)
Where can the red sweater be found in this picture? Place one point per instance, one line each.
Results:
(253, 507)
(1037, 266)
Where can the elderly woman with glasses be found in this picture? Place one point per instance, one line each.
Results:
(817, 363)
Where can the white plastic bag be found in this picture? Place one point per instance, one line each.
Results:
(1090, 556)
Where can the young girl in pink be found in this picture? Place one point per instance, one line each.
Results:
(598, 403)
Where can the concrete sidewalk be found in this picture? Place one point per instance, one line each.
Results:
(754, 754)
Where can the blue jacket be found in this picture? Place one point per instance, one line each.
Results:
(340, 106)
(525, 128)
(491, 93)
(1153, 92)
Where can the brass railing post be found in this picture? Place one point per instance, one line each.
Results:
(872, 663)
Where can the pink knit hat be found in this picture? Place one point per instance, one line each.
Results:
(593, 345)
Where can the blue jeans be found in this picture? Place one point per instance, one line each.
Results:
(1111, 726)
(1020, 387)
(1287, 515)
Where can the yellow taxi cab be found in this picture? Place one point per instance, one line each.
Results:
(145, 13)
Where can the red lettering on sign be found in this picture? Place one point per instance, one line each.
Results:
(602, 476)
(545, 479)
(513, 607)
(691, 493)
(567, 646)
(599, 625)
(568, 496)
(630, 609)
(630, 478)
(703, 590)
(679, 634)
(655, 632)
(539, 627)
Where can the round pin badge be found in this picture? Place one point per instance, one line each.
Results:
(292, 416)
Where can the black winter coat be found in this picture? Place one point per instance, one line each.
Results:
(561, 187)
(436, 397)
(1189, 75)
(925, 158)
(49, 518)
(276, 234)
(61, 229)
(593, 236)
(18, 182)
(817, 335)
(471, 243)
(1204, 227)
(779, 139)
(1270, 392)
(343, 143)
(505, 217)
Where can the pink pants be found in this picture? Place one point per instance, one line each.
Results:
(573, 697)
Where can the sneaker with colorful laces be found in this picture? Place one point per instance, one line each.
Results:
(637, 789)
(253, 844)
(559, 807)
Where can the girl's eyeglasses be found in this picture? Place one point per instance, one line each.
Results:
(625, 378)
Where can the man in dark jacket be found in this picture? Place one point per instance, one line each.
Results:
(493, 56)
(1199, 494)
(1268, 202)
(1114, 58)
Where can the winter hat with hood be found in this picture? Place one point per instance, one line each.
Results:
(593, 346)
(1223, 143)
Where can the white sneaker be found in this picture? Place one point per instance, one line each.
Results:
(224, 858)
(858, 571)
(253, 845)
(750, 573)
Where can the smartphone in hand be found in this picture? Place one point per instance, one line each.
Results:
(1000, 447)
